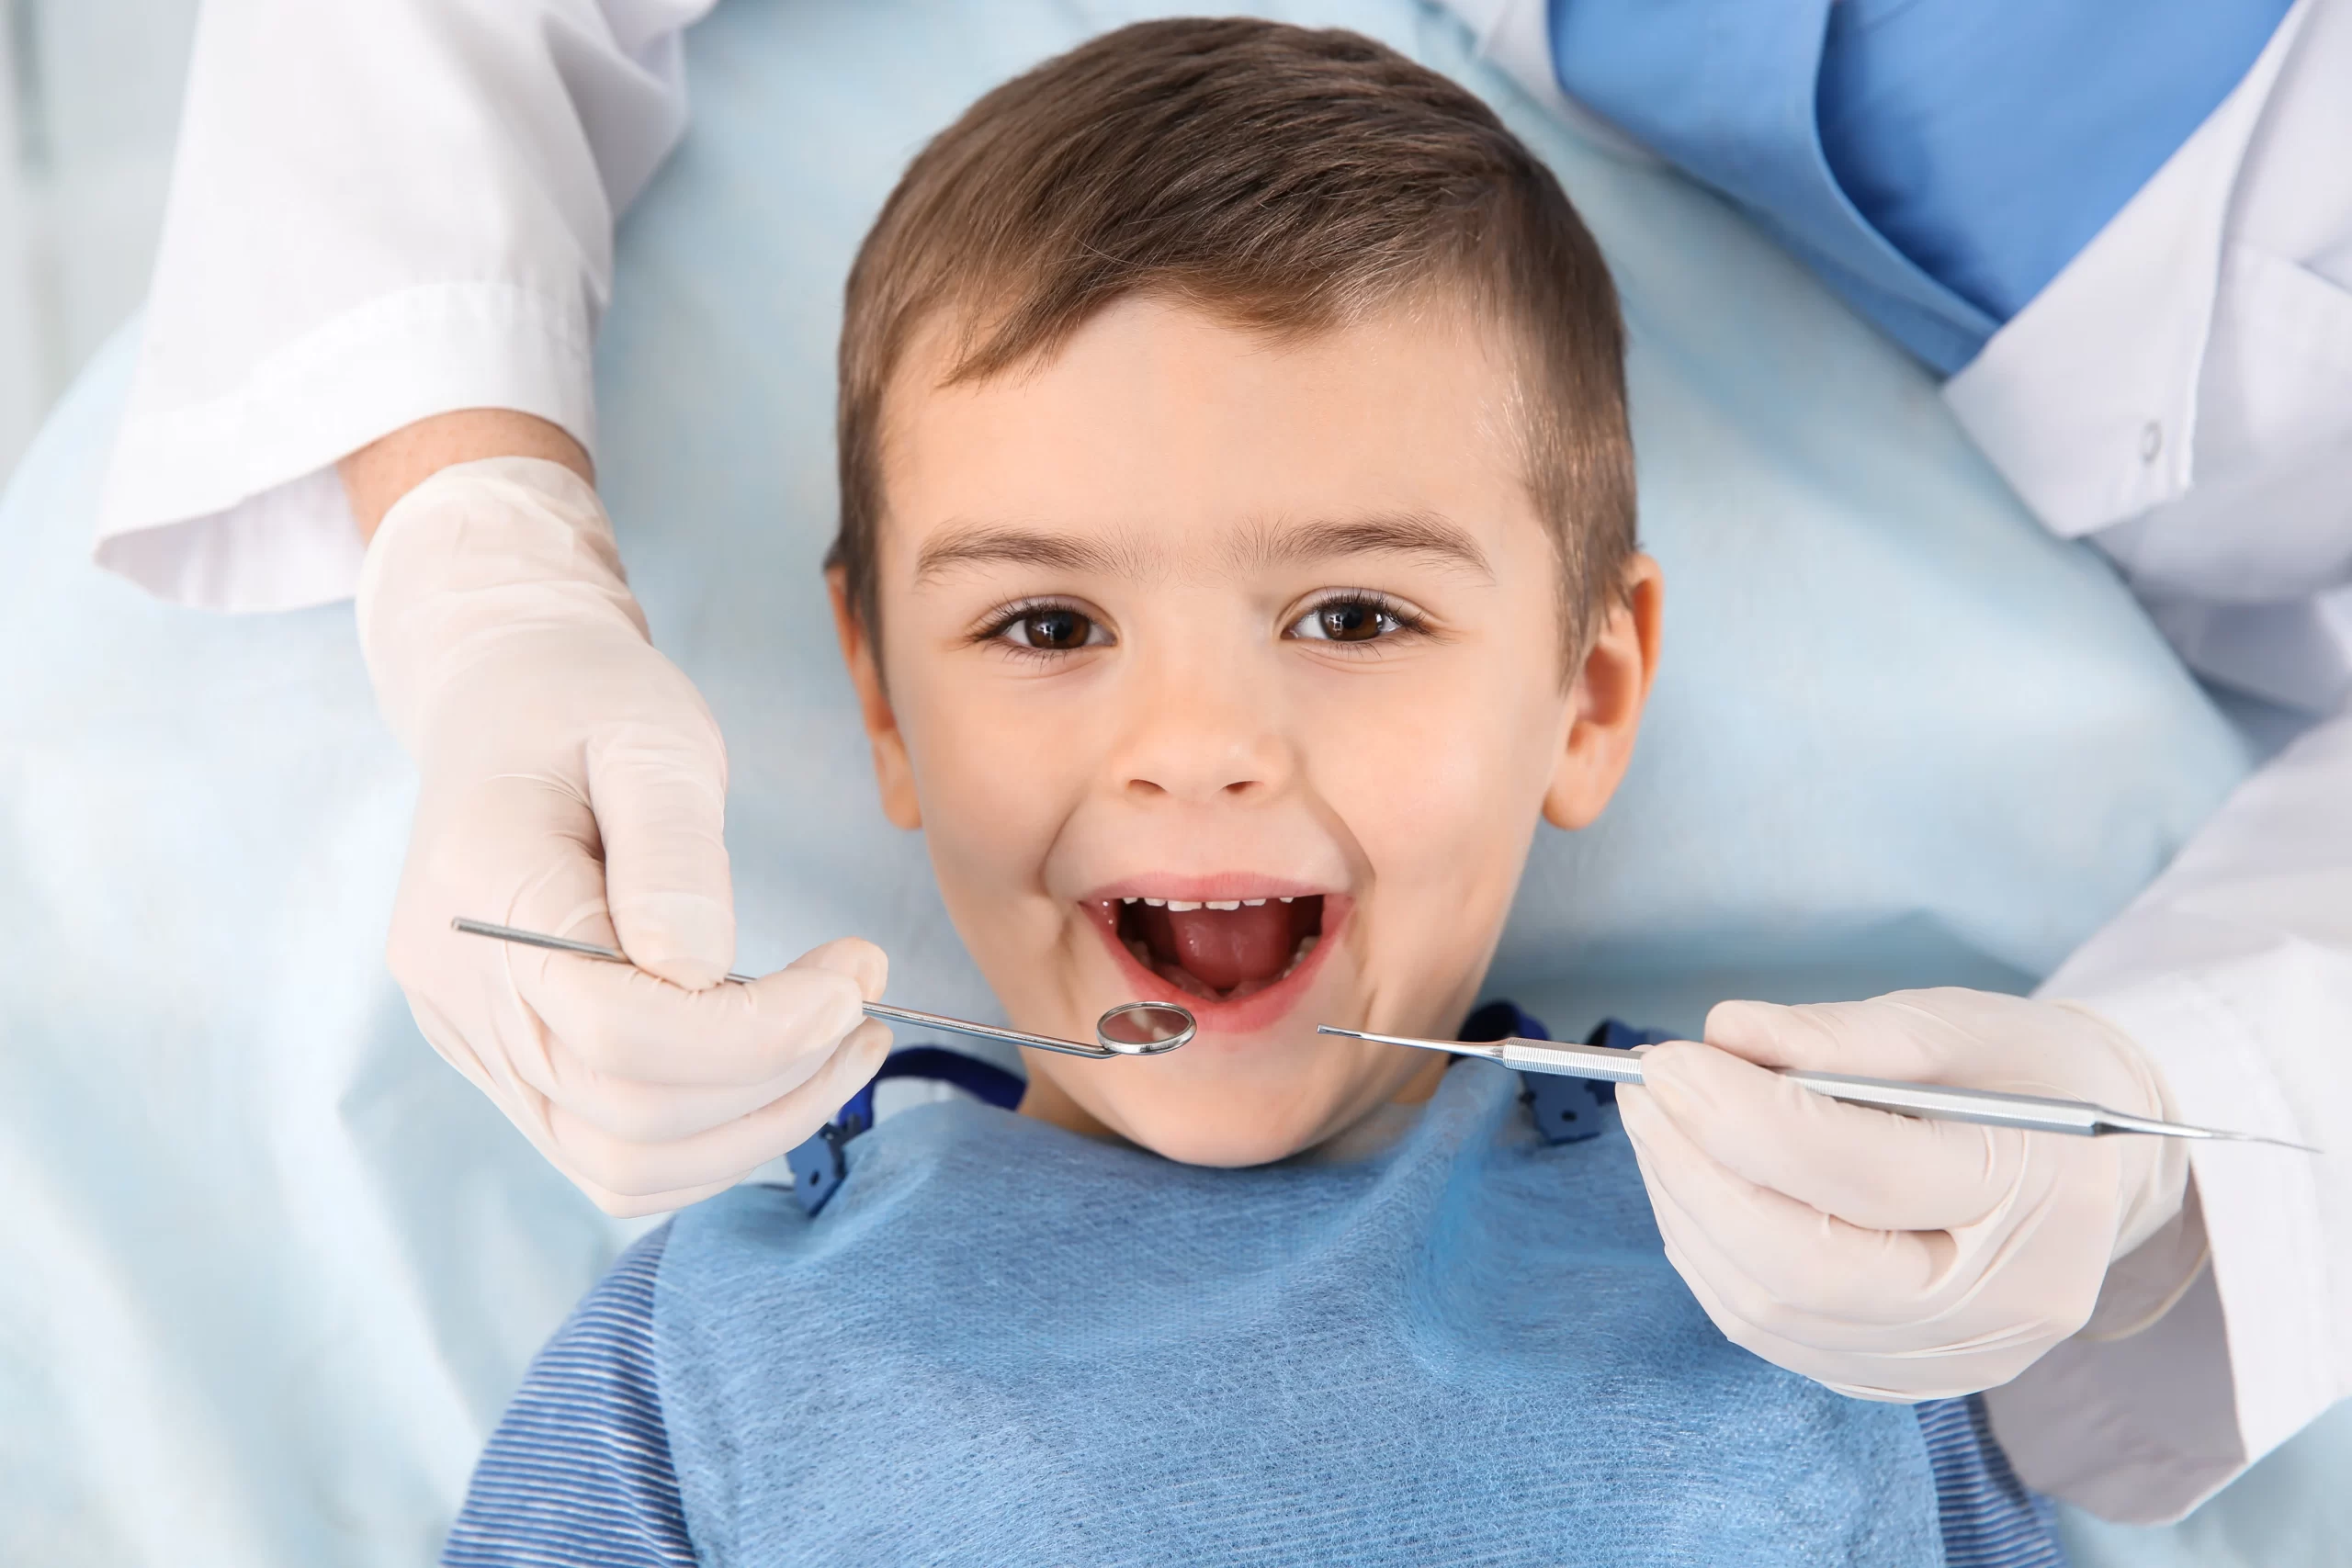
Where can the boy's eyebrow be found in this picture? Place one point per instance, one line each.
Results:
(1411, 532)
(1425, 533)
(987, 546)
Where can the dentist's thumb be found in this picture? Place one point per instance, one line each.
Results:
(657, 783)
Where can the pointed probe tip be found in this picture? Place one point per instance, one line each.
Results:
(2281, 1142)
(2234, 1137)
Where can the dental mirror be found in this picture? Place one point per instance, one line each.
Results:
(1131, 1029)
(1144, 1028)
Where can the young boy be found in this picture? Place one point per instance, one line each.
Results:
(1237, 561)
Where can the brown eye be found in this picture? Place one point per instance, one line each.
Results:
(1347, 620)
(1056, 629)
(1053, 628)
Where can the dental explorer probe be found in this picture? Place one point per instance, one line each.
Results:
(1937, 1102)
(1131, 1029)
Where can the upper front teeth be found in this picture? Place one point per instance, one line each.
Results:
(1180, 906)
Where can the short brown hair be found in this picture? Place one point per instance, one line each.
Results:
(1282, 179)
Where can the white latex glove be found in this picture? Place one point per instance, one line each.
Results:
(1888, 1257)
(573, 783)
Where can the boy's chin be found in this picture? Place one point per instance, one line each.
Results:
(1229, 1149)
(1229, 1138)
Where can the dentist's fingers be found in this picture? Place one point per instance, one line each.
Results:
(1807, 1276)
(1780, 1256)
(1873, 1168)
(1820, 1038)
(504, 1079)
(622, 1206)
(642, 1171)
(863, 962)
(1944, 1035)
(626, 1207)
(1775, 1329)
(1939, 1372)
(636, 1110)
(570, 781)
(1985, 1247)
(625, 1023)
(517, 848)
(659, 783)
(636, 1113)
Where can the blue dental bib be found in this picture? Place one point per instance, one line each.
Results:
(1003, 1343)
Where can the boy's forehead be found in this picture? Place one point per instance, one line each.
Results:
(1160, 429)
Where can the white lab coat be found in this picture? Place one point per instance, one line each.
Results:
(383, 213)
(2181, 395)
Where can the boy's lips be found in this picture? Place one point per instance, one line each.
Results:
(1238, 962)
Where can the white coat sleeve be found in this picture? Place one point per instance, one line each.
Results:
(378, 213)
(2233, 970)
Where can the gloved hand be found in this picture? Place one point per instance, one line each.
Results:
(573, 783)
(1888, 1257)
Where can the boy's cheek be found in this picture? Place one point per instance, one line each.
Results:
(1448, 807)
(977, 760)
(1447, 840)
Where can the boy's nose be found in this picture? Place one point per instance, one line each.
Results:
(1201, 782)
(1201, 743)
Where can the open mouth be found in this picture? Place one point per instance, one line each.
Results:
(1220, 950)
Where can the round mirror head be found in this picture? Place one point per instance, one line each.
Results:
(1144, 1028)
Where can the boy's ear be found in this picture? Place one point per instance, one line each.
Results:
(1605, 707)
(893, 772)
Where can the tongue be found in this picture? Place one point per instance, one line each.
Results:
(1222, 948)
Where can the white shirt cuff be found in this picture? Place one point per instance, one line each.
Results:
(233, 503)
(2142, 1430)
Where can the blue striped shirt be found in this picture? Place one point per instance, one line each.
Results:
(579, 1473)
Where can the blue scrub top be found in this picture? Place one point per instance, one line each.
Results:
(1937, 162)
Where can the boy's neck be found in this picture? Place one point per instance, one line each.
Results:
(1046, 1101)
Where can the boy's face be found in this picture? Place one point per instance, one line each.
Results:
(1230, 673)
